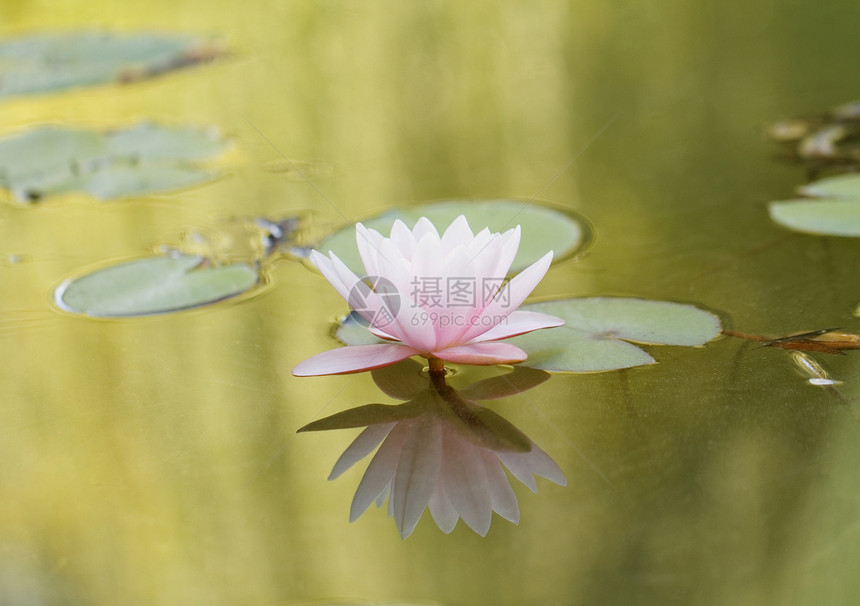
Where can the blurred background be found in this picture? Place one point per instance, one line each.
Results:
(154, 461)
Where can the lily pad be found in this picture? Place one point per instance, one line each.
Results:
(143, 159)
(822, 217)
(52, 62)
(153, 285)
(840, 186)
(835, 211)
(596, 335)
(597, 331)
(543, 228)
(352, 330)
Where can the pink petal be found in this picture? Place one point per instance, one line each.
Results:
(518, 323)
(353, 358)
(482, 354)
(517, 289)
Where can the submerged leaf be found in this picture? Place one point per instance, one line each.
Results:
(52, 62)
(543, 228)
(145, 158)
(153, 285)
(596, 330)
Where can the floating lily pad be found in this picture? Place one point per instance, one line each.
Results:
(543, 228)
(596, 333)
(143, 159)
(352, 330)
(53, 62)
(597, 330)
(153, 285)
(835, 211)
(840, 186)
(822, 217)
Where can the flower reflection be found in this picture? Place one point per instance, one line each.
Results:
(441, 297)
(441, 450)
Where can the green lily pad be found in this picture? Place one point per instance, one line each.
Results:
(53, 62)
(834, 212)
(543, 228)
(822, 217)
(596, 335)
(352, 330)
(840, 186)
(596, 332)
(143, 159)
(153, 285)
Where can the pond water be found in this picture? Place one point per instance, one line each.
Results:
(156, 461)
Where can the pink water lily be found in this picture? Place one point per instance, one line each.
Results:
(444, 298)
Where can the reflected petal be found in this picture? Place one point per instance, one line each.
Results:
(363, 445)
(501, 494)
(417, 475)
(537, 462)
(381, 470)
(465, 482)
(442, 509)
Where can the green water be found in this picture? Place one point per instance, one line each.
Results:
(155, 461)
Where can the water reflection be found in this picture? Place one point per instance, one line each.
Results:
(441, 449)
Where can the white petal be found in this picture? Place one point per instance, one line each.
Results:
(508, 246)
(403, 239)
(368, 242)
(457, 233)
(327, 268)
(423, 227)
